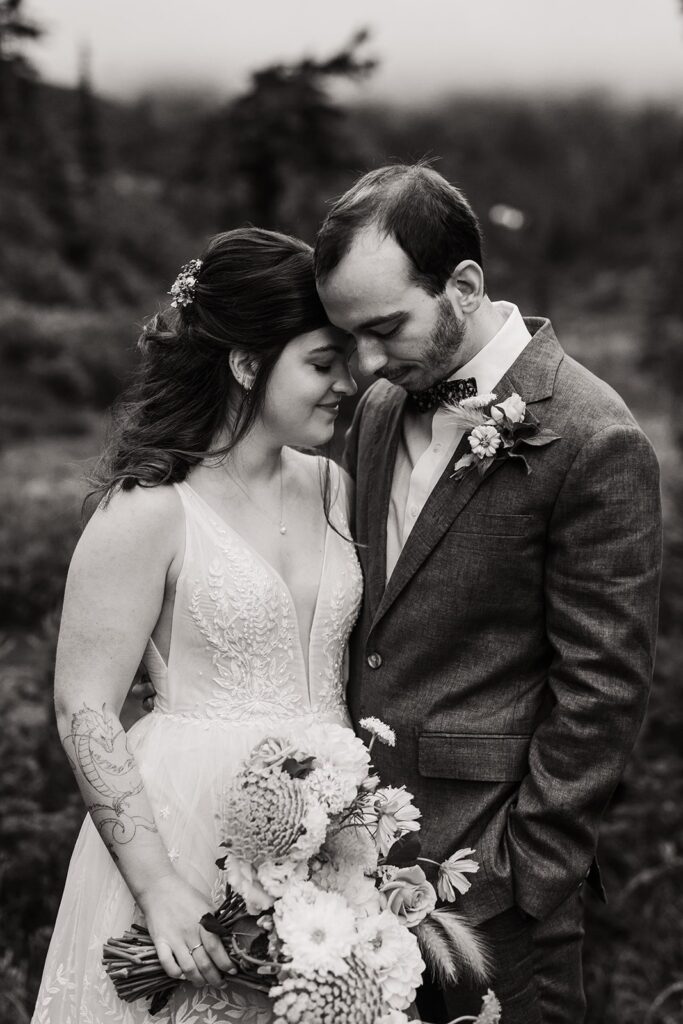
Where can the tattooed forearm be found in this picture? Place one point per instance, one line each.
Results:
(107, 774)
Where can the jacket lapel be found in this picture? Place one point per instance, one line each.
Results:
(532, 376)
(380, 472)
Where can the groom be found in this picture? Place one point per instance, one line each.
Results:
(509, 622)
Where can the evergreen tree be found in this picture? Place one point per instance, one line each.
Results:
(17, 85)
(279, 141)
(88, 130)
(286, 125)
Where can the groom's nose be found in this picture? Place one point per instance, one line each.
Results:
(371, 356)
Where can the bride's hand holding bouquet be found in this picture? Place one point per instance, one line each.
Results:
(186, 950)
(328, 908)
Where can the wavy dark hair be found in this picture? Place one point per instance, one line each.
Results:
(255, 291)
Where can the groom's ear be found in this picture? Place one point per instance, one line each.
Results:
(465, 287)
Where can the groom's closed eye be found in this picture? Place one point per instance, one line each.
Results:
(387, 331)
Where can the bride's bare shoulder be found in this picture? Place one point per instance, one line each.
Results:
(145, 520)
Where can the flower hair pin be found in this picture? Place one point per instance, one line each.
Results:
(183, 287)
(496, 431)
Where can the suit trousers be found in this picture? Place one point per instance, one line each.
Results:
(536, 970)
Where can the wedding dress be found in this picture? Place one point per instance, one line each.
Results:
(236, 672)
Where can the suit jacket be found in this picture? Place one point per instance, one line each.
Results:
(512, 649)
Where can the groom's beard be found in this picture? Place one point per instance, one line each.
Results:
(440, 356)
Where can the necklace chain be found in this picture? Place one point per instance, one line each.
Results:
(281, 524)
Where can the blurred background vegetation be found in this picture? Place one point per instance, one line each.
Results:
(101, 202)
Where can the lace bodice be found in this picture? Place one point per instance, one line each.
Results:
(236, 652)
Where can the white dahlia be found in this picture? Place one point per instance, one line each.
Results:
(352, 845)
(317, 934)
(275, 876)
(392, 951)
(334, 789)
(348, 879)
(338, 747)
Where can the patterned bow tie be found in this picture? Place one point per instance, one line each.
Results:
(444, 391)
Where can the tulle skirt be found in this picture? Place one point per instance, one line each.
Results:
(185, 765)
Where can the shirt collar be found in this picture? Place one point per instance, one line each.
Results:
(493, 361)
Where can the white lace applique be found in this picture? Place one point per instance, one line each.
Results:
(246, 618)
(344, 605)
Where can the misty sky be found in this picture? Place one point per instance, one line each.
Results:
(633, 48)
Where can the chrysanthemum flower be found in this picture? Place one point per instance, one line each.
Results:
(317, 930)
(452, 874)
(350, 998)
(383, 732)
(393, 952)
(352, 846)
(336, 746)
(267, 816)
(396, 815)
(349, 880)
(334, 790)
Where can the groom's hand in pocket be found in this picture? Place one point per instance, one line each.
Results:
(143, 690)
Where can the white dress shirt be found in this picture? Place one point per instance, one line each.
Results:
(428, 440)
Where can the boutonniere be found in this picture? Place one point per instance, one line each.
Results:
(496, 431)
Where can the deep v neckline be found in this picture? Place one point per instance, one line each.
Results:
(262, 560)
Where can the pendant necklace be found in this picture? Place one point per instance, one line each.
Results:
(281, 524)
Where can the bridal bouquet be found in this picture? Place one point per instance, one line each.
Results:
(327, 908)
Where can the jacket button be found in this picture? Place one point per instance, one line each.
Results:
(374, 660)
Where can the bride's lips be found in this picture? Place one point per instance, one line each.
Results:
(332, 407)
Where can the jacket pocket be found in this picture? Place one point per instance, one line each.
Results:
(475, 757)
(496, 525)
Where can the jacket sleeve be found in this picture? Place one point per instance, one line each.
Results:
(602, 575)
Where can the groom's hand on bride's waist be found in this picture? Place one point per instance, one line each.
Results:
(143, 690)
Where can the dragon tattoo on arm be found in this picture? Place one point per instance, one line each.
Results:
(108, 775)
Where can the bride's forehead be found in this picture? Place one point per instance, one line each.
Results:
(322, 339)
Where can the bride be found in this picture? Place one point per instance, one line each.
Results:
(220, 553)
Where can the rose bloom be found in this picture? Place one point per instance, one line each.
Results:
(513, 407)
(484, 441)
(409, 895)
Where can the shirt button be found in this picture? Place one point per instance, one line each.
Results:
(414, 511)
(374, 660)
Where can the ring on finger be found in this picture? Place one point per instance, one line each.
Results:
(195, 947)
